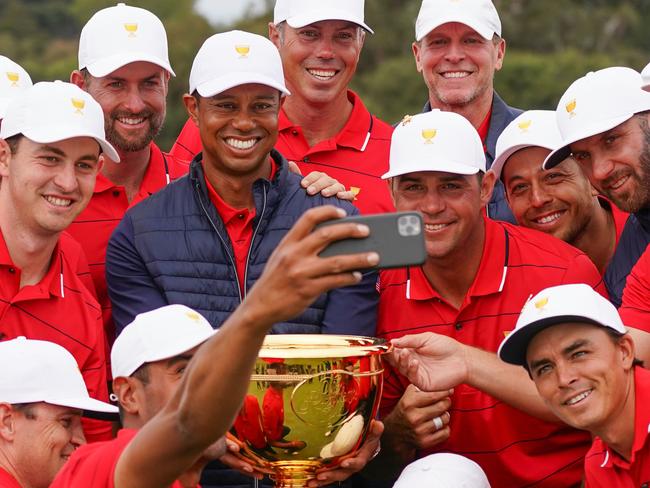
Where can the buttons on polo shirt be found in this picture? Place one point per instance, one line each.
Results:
(241, 216)
(12, 270)
(306, 159)
(458, 326)
(116, 193)
(294, 132)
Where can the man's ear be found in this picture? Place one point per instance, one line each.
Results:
(274, 35)
(416, 54)
(192, 107)
(627, 351)
(76, 78)
(5, 158)
(487, 187)
(7, 422)
(125, 391)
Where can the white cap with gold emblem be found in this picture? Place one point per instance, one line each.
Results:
(556, 305)
(435, 141)
(156, 335)
(117, 36)
(52, 111)
(13, 81)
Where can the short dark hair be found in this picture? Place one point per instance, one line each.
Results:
(615, 337)
(13, 142)
(27, 409)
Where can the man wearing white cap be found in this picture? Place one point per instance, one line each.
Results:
(124, 65)
(442, 470)
(42, 399)
(603, 119)
(577, 350)
(175, 408)
(561, 201)
(323, 125)
(477, 275)
(13, 81)
(51, 146)
(458, 48)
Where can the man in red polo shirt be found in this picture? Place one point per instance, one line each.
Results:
(323, 125)
(50, 145)
(478, 274)
(180, 385)
(560, 202)
(42, 400)
(577, 351)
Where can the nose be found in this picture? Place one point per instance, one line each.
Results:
(566, 374)
(77, 439)
(539, 196)
(433, 203)
(66, 178)
(324, 48)
(455, 52)
(600, 169)
(243, 121)
(133, 101)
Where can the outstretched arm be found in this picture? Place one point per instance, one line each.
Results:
(211, 392)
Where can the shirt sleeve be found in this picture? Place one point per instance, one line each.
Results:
(131, 287)
(635, 309)
(582, 270)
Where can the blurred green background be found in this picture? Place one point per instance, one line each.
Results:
(550, 43)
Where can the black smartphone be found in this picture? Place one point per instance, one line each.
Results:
(397, 237)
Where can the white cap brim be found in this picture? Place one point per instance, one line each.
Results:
(499, 163)
(106, 66)
(63, 133)
(301, 20)
(484, 32)
(86, 404)
(446, 167)
(4, 103)
(231, 80)
(560, 154)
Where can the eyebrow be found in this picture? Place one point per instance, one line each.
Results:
(61, 153)
(178, 359)
(565, 352)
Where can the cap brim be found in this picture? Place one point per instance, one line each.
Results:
(4, 103)
(485, 33)
(446, 167)
(90, 406)
(500, 161)
(107, 65)
(298, 21)
(563, 152)
(62, 135)
(514, 348)
(231, 80)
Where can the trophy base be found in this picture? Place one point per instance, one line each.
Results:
(294, 474)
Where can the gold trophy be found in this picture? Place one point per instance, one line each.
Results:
(309, 404)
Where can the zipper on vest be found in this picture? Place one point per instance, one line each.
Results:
(248, 256)
(225, 246)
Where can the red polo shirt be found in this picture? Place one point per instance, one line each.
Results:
(94, 226)
(604, 468)
(512, 447)
(62, 310)
(635, 308)
(484, 128)
(239, 225)
(357, 156)
(93, 465)
(7, 481)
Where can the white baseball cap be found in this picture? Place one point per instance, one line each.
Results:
(280, 11)
(52, 111)
(34, 371)
(435, 141)
(442, 470)
(156, 335)
(117, 36)
(13, 81)
(534, 128)
(557, 305)
(480, 15)
(595, 103)
(645, 77)
(300, 13)
(236, 58)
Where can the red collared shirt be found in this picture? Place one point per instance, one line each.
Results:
(512, 447)
(94, 226)
(484, 128)
(62, 310)
(604, 468)
(8, 481)
(239, 225)
(93, 465)
(357, 156)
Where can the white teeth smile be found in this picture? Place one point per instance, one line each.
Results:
(549, 218)
(434, 227)
(618, 183)
(239, 144)
(58, 202)
(578, 398)
(131, 121)
(322, 74)
(456, 74)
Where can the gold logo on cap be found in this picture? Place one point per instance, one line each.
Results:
(131, 28)
(541, 303)
(406, 120)
(78, 104)
(193, 316)
(429, 135)
(355, 191)
(570, 107)
(525, 125)
(243, 50)
(14, 78)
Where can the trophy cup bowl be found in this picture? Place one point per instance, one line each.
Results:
(309, 404)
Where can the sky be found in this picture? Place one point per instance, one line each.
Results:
(226, 11)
